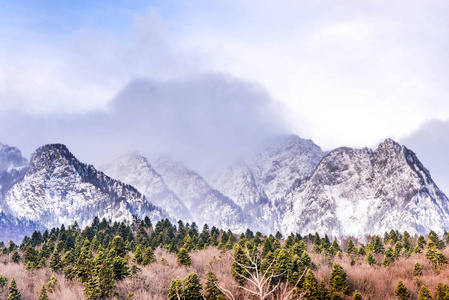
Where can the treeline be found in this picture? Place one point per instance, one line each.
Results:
(262, 267)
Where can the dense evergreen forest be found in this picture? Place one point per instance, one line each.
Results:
(141, 260)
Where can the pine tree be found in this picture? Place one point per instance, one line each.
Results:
(43, 294)
(338, 279)
(424, 294)
(175, 292)
(370, 259)
(102, 284)
(31, 257)
(323, 292)
(119, 268)
(183, 257)
(3, 281)
(192, 287)
(401, 292)
(83, 267)
(240, 261)
(357, 296)
(417, 270)
(15, 257)
(138, 256)
(442, 291)
(310, 286)
(212, 290)
(118, 244)
(142, 237)
(376, 245)
(14, 293)
(188, 244)
(148, 257)
(351, 249)
(55, 261)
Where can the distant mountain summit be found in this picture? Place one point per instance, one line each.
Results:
(206, 204)
(57, 188)
(361, 191)
(291, 186)
(135, 170)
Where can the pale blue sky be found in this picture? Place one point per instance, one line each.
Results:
(339, 72)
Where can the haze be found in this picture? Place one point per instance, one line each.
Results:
(208, 81)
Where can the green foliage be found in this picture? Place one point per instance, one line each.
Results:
(442, 291)
(138, 256)
(351, 248)
(323, 292)
(15, 257)
(83, 267)
(183, 257)
(175, 291)
(118, 245)
(212, 290)
(310, 286)
(119, 268)
(401, 292)
(357, 296)
(14, 293)
(424, 294)
(417, 270)
(376, 245)
(51, 283)
(371, 260)
(55, 261)
(436, 257)
(43, 294)
(337, 279)
(192, 287)
(102, 284)
(164, 261)
(148, 257)
(3, 281)
(239, 264)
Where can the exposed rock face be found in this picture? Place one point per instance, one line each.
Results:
(12, 168)
(290, 186)
(358, 192)
(135, 170)
(259, 182)
(57, 188)
(206, 204)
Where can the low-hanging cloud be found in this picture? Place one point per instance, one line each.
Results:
(431, 143)
(203, 120)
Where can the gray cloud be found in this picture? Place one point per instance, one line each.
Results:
(431, 143)
(202, 120)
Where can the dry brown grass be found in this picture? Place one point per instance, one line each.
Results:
(154, 280)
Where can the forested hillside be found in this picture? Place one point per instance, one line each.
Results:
(142, 260)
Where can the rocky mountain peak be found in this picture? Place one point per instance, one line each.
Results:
(49, 157)
(10, 157)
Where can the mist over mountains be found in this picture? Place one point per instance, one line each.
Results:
(289, 185)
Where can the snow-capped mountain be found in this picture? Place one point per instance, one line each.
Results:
(135, 170)
(258, 182)
(361, 191)
(57, 188)
(206, 204)
(12, 168)
(290, 186)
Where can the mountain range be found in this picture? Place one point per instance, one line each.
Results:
(290, 185)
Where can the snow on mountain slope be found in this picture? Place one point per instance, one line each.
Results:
(12, 168)
(206, 204)
(285, 164)
(135, 170)
(361, 191)
(57, 189)
(258, 182)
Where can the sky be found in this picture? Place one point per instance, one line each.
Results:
(206, 81)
